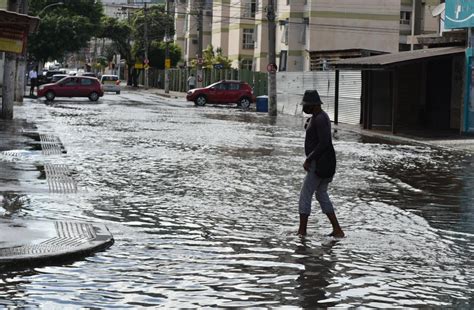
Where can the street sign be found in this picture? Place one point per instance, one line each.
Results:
(199, 61)
(459, 14)
(146, 61)
(218, 66)
(167, 63)
(272, 67)
(138, 66)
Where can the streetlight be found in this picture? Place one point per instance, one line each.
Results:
(48, 6)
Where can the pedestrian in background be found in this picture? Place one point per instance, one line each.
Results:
(191, 81)
(320, 164)
(33, 76)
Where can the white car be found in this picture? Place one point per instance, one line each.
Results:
(110, 83)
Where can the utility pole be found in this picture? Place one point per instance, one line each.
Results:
(271, 68)
(199, 76)
(413, 16)
(8, 88)
(167, 51)
(146, 47)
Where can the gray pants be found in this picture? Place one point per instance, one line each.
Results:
(311, 184)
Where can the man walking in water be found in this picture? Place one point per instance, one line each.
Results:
(320, 164)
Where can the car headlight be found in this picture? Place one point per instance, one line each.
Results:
(41, 87)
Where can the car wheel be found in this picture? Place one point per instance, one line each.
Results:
(118, 92)
(201, 101)
(94, 96)
(50, 95)
(244, 103)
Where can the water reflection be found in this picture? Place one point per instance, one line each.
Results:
(318, 264)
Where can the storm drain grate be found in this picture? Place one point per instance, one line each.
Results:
(69, 235)
(51, 145)
(60, 179)
(11, 155)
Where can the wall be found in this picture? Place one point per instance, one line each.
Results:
(381, 98)
(457, 91)
(365, 24)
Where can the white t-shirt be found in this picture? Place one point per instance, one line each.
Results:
(33, 74)
(192, 80)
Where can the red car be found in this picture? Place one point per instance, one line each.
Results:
(72, 86)
(223, 92)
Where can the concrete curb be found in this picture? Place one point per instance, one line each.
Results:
(34, 243)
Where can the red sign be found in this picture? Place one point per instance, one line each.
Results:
(272, 68)
(146, 61)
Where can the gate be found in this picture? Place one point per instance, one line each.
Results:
(291, 87)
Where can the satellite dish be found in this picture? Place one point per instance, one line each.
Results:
(439, 9)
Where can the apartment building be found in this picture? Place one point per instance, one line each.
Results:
(309, 32)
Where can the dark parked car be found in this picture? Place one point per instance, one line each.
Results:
(223, 92)
(58, 77)
(74, 86)
(48, 76)
(91, 74)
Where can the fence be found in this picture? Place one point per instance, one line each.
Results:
(291, 87)
(179, 77)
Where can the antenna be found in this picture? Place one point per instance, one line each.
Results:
(439, 9)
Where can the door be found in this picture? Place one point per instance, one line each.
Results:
(217, 93)
(234, 93)
(85, 87)
(438, 103)
(67, 88)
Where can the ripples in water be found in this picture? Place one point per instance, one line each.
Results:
(203, 207)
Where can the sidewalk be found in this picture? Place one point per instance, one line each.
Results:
(25, 243)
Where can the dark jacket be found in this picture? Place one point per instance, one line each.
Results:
(318, 135)
(318, 145)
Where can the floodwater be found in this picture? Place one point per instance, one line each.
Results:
(202, 203)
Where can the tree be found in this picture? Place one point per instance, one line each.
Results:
(157, 54)
(63, 29)
(211, 58)
(157, 22)
(120, 33)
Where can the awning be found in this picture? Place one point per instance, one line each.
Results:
(14, 30)
(9, 19)
(390, 60)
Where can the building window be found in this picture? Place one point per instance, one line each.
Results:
(249, 9)
(304, 30)
(405, 18)
(248, 42)
(247, 64)
(284, 34)
(283, 60)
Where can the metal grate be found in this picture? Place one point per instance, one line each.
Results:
(59, 179)
(10, 155)
(51, 145)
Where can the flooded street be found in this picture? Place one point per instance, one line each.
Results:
(202, 203)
